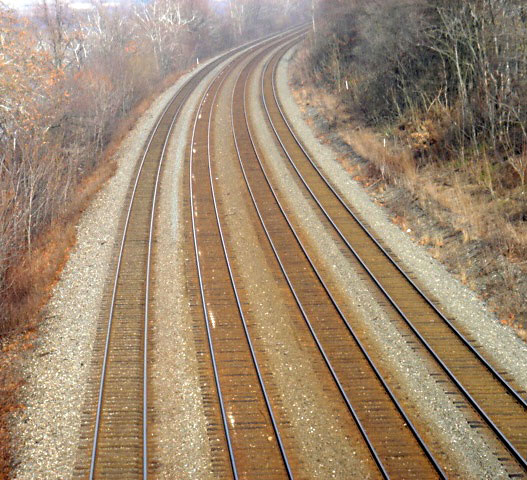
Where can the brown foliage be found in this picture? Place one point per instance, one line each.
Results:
(440, 85)
(30, 281)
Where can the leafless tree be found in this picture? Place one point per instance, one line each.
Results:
(166, 24)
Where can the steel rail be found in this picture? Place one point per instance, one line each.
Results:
(342, 315)
(321, 349)
(202, 291)
(98, 415)
(444, 367)
(147, 292)
(201, 284)
(114, 293)
(239, 305)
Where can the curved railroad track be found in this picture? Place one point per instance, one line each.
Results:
(495, 398)
(241, 396)
(250, 430)
(394, 443)
(252, 435)
(115, 439)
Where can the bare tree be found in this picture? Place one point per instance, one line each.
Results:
(167, 24)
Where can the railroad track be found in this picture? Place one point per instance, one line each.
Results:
(251, 435)
(114, 433)
(394, 443)
(115, 427)
(498, 402)
(252, 439)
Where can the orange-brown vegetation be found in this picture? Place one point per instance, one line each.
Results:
(30, 281)
(36, 272)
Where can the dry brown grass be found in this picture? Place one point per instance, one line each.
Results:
(392, 163)
(473, 208)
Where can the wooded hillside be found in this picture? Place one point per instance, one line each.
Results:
(433, 95)
(461, 65)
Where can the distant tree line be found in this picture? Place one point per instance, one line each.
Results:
(451, 74)
(67, 77)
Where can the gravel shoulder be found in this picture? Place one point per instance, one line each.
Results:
(56, 372)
